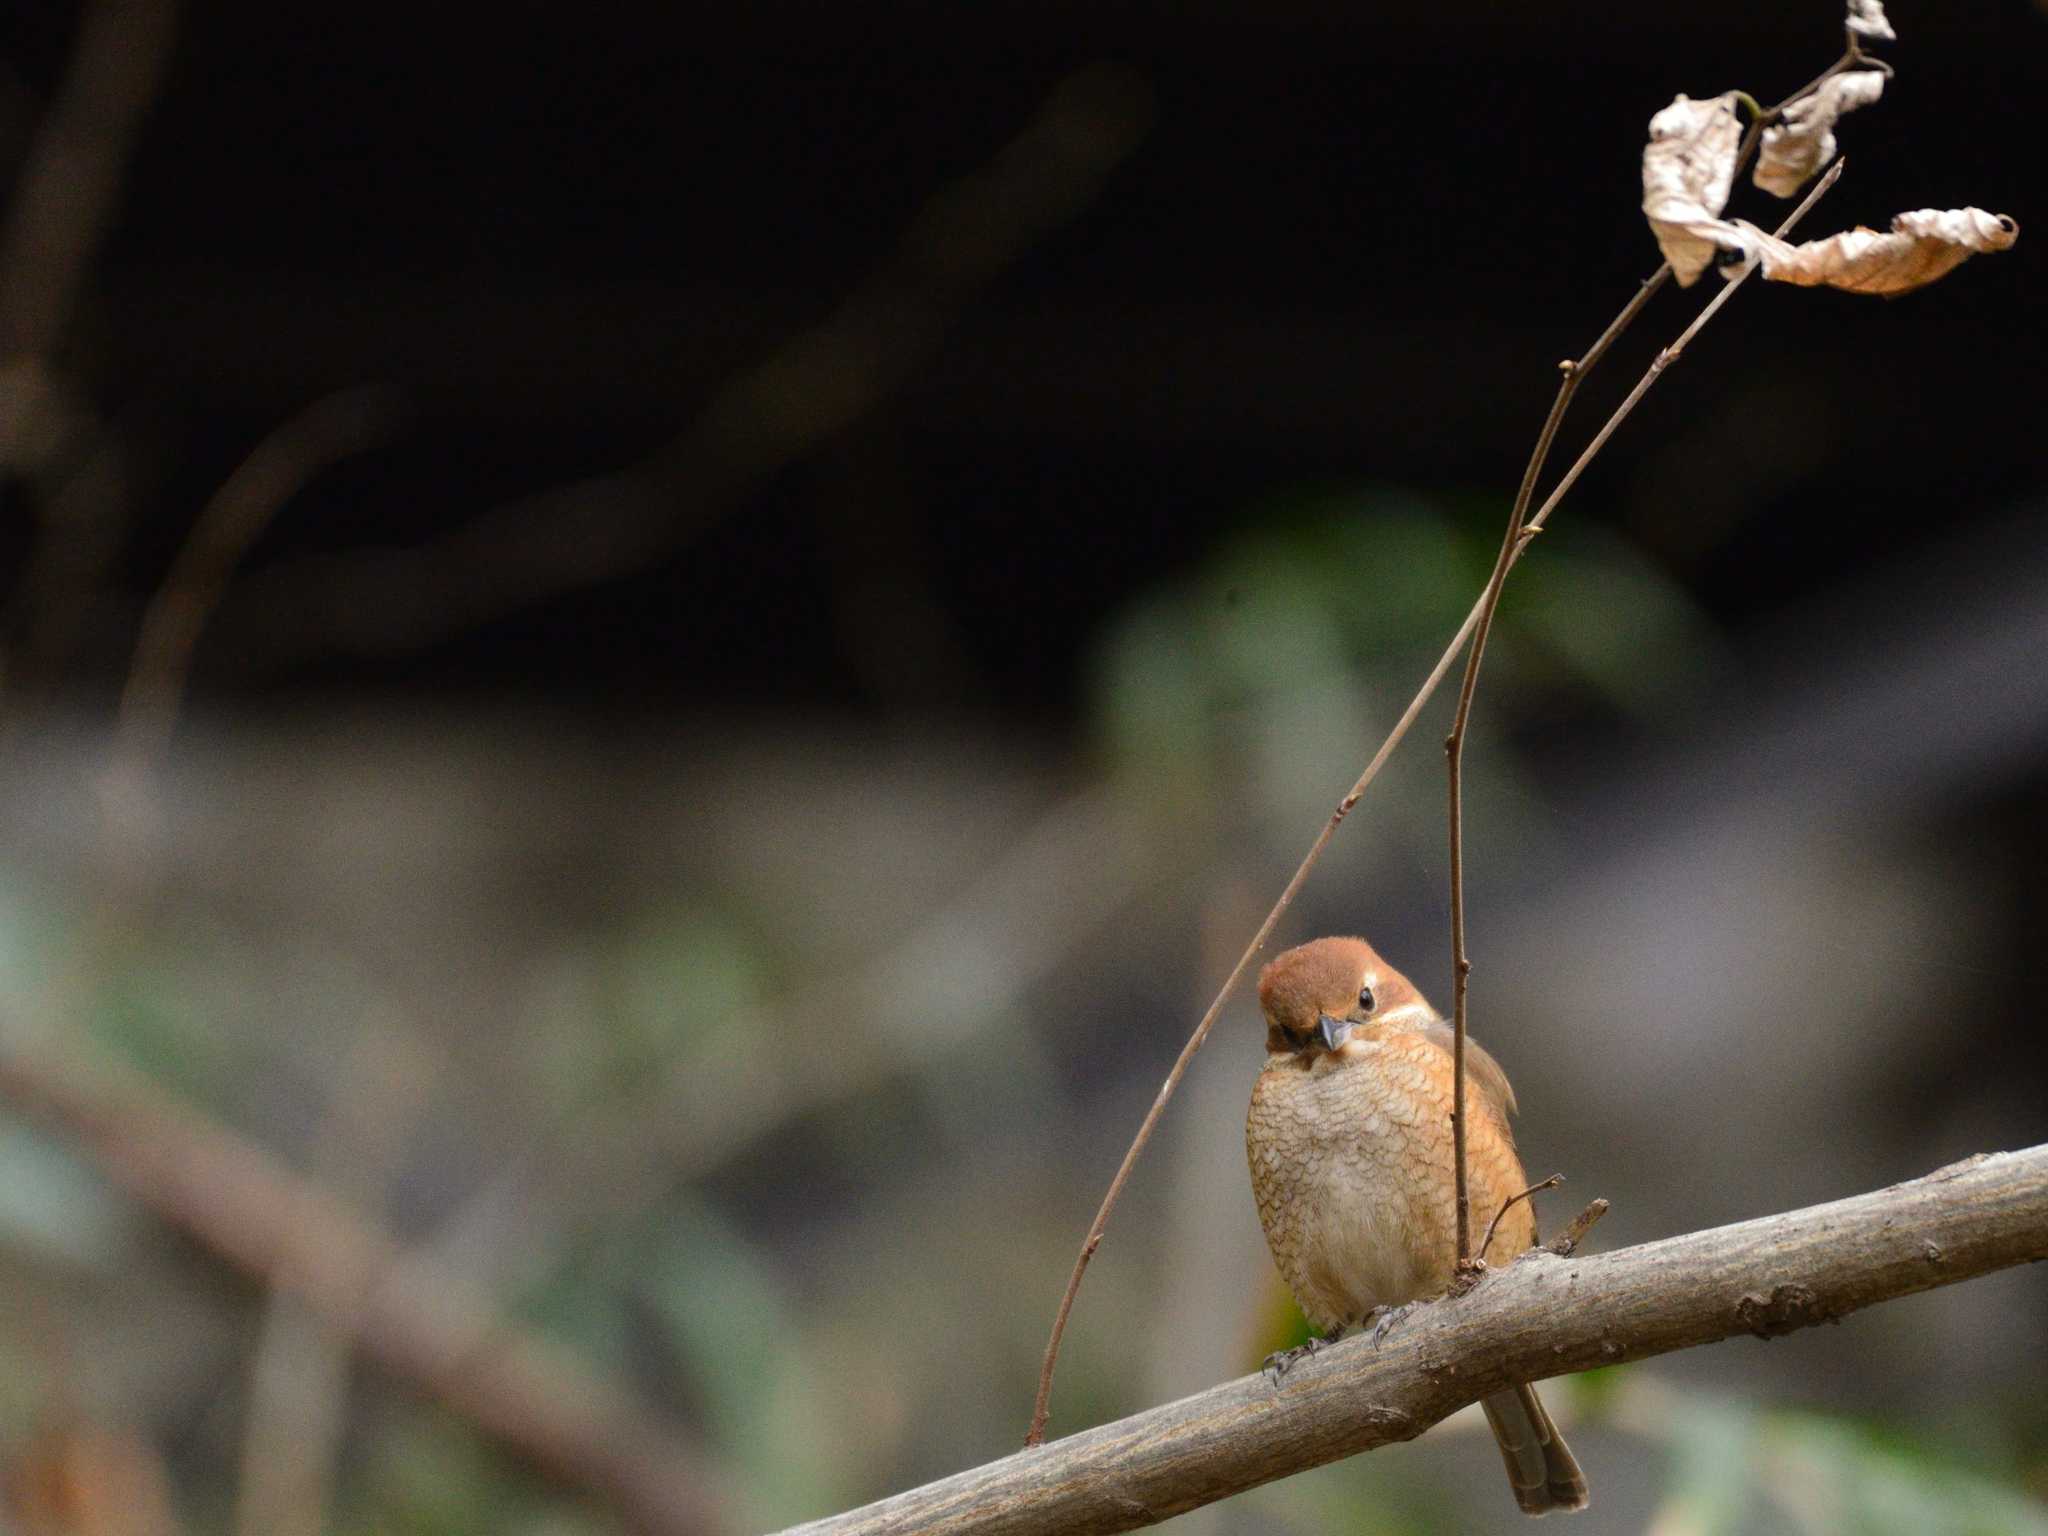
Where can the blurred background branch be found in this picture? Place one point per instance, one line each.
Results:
(298, 1388)
(66, 196)
(228, 525)
(298, 1239)
(805, 392)
(610, 1160)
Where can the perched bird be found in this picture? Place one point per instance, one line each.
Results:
(1349, 1140)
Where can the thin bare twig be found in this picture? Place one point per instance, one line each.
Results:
(1572, 372)
(1035, 1434)
(1853, 57)
(1542, 1316)
(1670, 355)
(1511, 1202)
(1041, 1408)
(1516, 540)
(1510, 550)
(1454, 757)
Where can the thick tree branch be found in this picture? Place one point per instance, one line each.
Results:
(1542, 1316)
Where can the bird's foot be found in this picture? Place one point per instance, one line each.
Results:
(1281, 1361)
(1384, 1318)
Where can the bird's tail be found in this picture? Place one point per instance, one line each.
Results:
(1541, 1466)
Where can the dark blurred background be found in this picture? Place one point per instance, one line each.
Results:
(671, 649)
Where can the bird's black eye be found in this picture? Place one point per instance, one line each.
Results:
(1366, 1001)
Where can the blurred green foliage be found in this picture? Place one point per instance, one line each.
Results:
(54, 1206)
(1328, 598)
(674, 981)
(1856, 1477)
(1734, 1468)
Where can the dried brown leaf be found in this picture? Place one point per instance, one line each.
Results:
(1688, 171)
(1921, 246)
(1803, 144)
(1867, 19)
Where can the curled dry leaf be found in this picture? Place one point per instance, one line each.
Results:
(1866, 19)
(1688, 171)
(1804, 143)
(1921, 247)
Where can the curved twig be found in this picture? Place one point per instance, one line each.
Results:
(1511, 1202)
(1517, 539)
(1041, 1408)
(279, 468)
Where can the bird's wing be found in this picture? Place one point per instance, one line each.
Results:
(1480, 1068)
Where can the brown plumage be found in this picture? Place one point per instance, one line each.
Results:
(1349, 1140)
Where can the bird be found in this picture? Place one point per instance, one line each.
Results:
(1349, 1142)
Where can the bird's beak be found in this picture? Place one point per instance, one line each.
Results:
(1334, 1031)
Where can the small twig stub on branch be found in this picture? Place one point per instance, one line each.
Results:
(1566, 1243)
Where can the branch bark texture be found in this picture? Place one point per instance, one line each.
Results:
(1542, 1316)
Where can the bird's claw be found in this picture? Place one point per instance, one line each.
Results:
(1384, 1318)
(1281, 1361)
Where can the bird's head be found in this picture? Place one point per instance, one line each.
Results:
(1316, 994)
